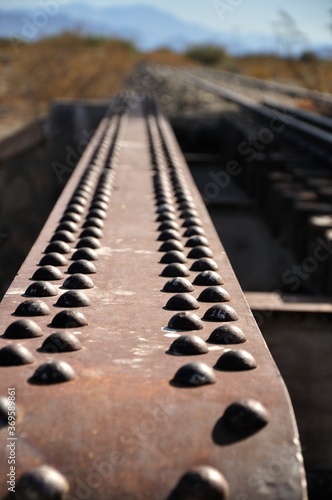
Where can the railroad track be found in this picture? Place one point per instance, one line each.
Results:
(130, 358)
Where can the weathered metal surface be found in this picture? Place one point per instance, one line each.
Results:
(122, 426)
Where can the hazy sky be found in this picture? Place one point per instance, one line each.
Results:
(241, 16)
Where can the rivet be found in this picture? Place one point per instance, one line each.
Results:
(23, 329)
(165, 208)
(168, 225)
(67, 226)
(47, 273)
(3, 411)
(80, 200)
(61, 342)
(227, 334)
(169, 234)
(99, 204)
(199, 252)
(93, 222)
(220, 312)
(164, 216)
(69, 319)
(53, 372)
(58, 247)
(184, 205)
(70, 217)
(194, 374)
(41, 289)
(204, 264)
(15, 355)
(53, 259)
(84, 254)
(88, 242)
(236, 360)
(169, 245)
(201, 483)
(75, 207)
(173, 256)
(175, 270)
(191, 221)
(98, 213)
(193, 231)
(185, 321)
(32, 307)
(78, 281)
(101, 197)
(73, 298)
(188, 345)
(92, 231)
(82, 266)
(182, 302)
(42, 483)
(214, 294)
(188, 213)
(66, 236)
(208, 278)
(197, 240)
(178, 284)
(245, 415)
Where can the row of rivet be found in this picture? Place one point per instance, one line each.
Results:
(243, 417)
(45, 482)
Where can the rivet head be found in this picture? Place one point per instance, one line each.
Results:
(175, 270)
(78, 281)
(43, 483)
(166, 207)
(63, 235)
(169, 234)
(84, 253)
(199, 252)
(69, 319)
(88, 242)
(15, 355)
(191, 221)
(23, 329)
(97, 213)
(201, 483)
(66, 226)
(3, 411)
(32, 307)
(236, 360)
(82, 266)
(185, 321)
(173, 256)
(168, 245)
(47, 273)
(178, 285)
(99, 204)
(75, 207)
(182, 302)
(192, 231)
(214, 294)
(188, 345)
(61, 342)
(194, 374)
(204, 264)
(53, 372)
(227, 334)
(93, 222)
(57, 247)
(220, 312)
(208, 278)
(188, 213)
(197, 240)
(164, 216)
(70, 217)
(168, 225)
(53, 259)
(91, 231)
(41, 289)
(73, 298)
(245, 415)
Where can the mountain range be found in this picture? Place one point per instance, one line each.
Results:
(149, 28)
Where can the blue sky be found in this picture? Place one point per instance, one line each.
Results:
(240, 16)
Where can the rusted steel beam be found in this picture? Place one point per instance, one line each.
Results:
(156, 385)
